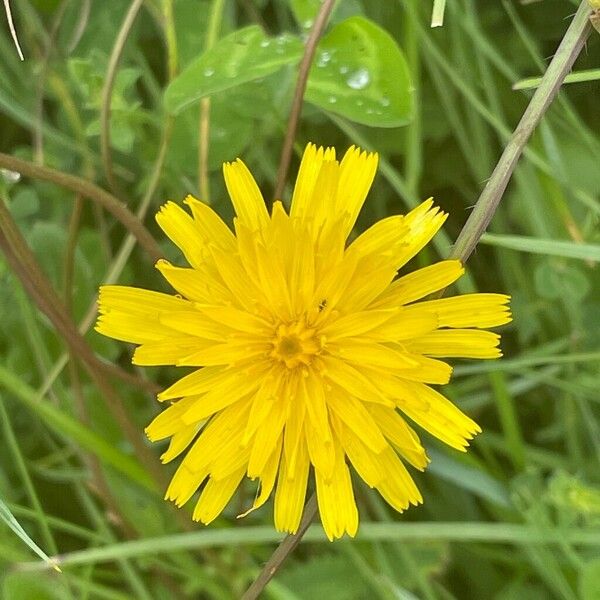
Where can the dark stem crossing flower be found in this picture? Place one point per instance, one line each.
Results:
(308, 352)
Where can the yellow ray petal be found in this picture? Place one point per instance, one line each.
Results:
(210, 226)
(358, 323)
(310, 166)
(215, 496)
(404, 324)
(184, 484)
(195, 383)
(470, 310)
(168, 351)
(313, 395)
(363, 459)
(263, 402)
(244, 292)
(290, 494)
(423, 223)
(240, 320)
(353, 413)
(169, 421)
(371, 354)
(228, 391)
(335, 496)
(357, 171)
(198, 285)
(247, 199)
(437, 415)
(419, 284)
(352, 380)
(293, 434)
(267, 478)
(400, 434)
(183, 232)
(427, 370)
(397, 488)
(133, 315)
(381, 239)
(320, 450)
(230, 353)
(196, 324)
(268, 432)
(231, 457)
(180, 441)
(464, 343)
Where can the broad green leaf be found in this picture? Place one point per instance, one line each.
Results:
(9, 519)
(544, 246)
(360, 73)
(244, 55)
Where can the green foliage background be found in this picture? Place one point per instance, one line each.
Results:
(515, 518)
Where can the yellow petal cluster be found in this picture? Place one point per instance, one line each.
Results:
(309, 354)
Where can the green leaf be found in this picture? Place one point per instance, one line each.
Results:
(242, 56)
(544, 246)
(360, 73)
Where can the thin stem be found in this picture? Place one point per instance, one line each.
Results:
(107, 90)
(568, 50)
(309, 53)
(212, 33)
(285, 548)
(89, 190)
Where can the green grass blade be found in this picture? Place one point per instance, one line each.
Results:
(9, 519)
(548, 247)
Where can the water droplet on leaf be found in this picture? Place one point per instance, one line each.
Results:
(359, 80)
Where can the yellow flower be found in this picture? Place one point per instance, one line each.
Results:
(307, 351)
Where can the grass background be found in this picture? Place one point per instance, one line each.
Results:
(516, 517)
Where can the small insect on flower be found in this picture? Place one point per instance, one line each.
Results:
(310, 356)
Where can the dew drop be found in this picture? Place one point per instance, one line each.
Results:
(359, 79)
(323, 59)
(344, 69)
(332, 99)
(208, 72)
(265, 43)
(385, 101)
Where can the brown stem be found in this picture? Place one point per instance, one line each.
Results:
(35, 282)
(105, 106)
(566, 54)
(305, 64)
(285, 548)
(87, 190)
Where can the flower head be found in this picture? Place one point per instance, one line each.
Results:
(309, 354)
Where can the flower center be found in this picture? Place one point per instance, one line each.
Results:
(295, 344)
